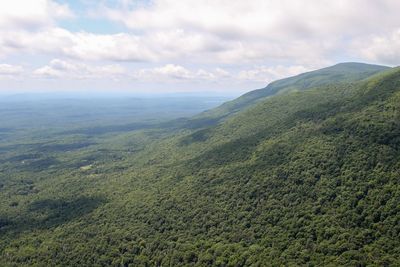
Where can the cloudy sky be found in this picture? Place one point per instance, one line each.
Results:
(192, 45)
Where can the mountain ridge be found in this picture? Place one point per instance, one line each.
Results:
(303, 178)
(344, 72)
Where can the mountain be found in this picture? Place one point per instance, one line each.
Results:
(339, 73)
(306, 177)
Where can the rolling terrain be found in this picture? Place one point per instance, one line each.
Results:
(305, 172)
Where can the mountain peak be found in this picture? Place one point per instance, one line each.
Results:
(355, 66)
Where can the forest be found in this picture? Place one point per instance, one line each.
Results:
(303, 172)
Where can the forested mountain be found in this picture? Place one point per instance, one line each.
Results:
(309, 176)
(339, 73)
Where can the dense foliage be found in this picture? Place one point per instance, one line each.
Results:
(302, 178)
(339, 73)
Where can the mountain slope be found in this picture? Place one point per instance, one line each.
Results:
(302, 178)
(306, 178)
(339, 73)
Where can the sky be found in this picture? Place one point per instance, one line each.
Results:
(164, 46)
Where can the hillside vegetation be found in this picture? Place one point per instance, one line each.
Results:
(309, 176)
(339, 73)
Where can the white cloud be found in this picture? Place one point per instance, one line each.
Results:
(70, 70)
(383, 48)
(81, 45)
(157, 47)
(255, 40)
(169, 73)
(219, 31)
(31, 25)
(257, 18)
(258, 30)
(8, 70)
(176, 73)
(31, 14)
(268, 74)
(47, 72)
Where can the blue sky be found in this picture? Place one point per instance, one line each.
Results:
(162, 46)
(83, 22)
